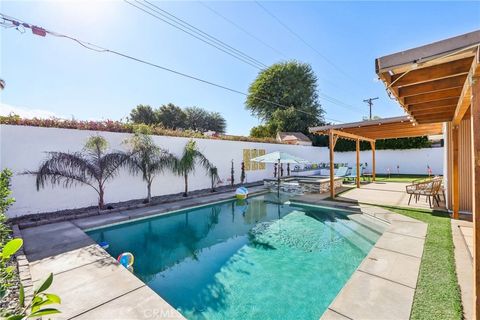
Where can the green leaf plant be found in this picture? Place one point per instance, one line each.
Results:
(36, 307)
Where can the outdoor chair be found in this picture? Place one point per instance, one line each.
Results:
(429, 188)
(341, 172)
(353, 174)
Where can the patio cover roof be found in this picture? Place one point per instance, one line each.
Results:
(433, 82)
(397, 127)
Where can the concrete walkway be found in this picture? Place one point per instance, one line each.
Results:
(383, 286)
(462, 233)
(386, 193)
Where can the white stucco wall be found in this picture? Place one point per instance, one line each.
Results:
(22, 148)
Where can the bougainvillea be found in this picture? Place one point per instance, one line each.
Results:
(118, 126)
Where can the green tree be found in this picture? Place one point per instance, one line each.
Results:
(196, 119)
(143, 114)
(263, 131)
(216, 122)
(290, 84)
(93, 167)
(187, 163)
(147, 158)
(171, 116)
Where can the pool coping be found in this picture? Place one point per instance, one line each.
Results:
(383, 286)
(83, 269)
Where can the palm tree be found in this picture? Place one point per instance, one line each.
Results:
(214, 178)
(187, 163)
(92, 167)
(149, 159)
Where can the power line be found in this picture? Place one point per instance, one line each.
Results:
(193, 31)
(242, 29)
(302, 39)
(205, 35)
(99, 49)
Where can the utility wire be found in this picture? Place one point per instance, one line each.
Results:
(183, 24)
(193, 31)
(99, 49)
(302, 39)
(239, 27)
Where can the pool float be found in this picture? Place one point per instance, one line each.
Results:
(241, 193)
(104, 245)
(126, 259)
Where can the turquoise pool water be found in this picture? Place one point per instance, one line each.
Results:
(246, 260)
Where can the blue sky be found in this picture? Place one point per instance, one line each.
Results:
(58, 76)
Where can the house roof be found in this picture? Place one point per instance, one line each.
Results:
(432, 82)
(298, 135)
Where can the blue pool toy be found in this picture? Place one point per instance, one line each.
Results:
(104, 245)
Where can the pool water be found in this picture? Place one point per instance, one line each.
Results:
(253, 259)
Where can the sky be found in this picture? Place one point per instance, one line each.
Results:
(48, 76)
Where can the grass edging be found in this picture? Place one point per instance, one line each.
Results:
(437, 295)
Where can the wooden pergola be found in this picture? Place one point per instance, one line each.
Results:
(370, 131)
(437, 85)
(440, 82)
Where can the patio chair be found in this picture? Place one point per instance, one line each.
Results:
(353, 174)
(425, 187)
(341, 172)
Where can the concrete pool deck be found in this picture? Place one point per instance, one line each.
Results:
(93, 285)
(383, 286)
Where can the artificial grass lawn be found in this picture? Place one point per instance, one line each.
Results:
(437, 295)
(399, 177)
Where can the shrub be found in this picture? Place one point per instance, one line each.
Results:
(118, 126)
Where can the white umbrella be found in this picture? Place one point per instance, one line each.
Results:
(279, 157)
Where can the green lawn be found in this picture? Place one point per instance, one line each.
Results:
(437, 295)
(399, 177)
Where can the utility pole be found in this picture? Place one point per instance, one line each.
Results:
(369, 101)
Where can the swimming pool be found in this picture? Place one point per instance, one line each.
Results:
(253, 259)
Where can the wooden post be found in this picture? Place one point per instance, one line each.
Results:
(372, 143)
(456, 180)
(331, 141)
(475, 114)
(358, 163)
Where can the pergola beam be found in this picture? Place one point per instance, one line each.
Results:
(475, 116)
(433, 72)
(432, 96)
(466, 95)
(432, 86)
(433, 104)
(350, 135)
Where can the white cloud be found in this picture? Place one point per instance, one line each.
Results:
(6, 109)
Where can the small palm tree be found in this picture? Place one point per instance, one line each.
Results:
(214, 178)
(92, 167)
(149, 159)
(187, 163)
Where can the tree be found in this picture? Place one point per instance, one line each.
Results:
(292, 85)
(143, 114)
(171, 116)
(214, 177)
(92, 167)
(187, 163)
(149, 159)
(216, 122)
(196, 119)
(263, 131)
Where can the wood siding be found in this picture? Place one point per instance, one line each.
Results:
(464, 166)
